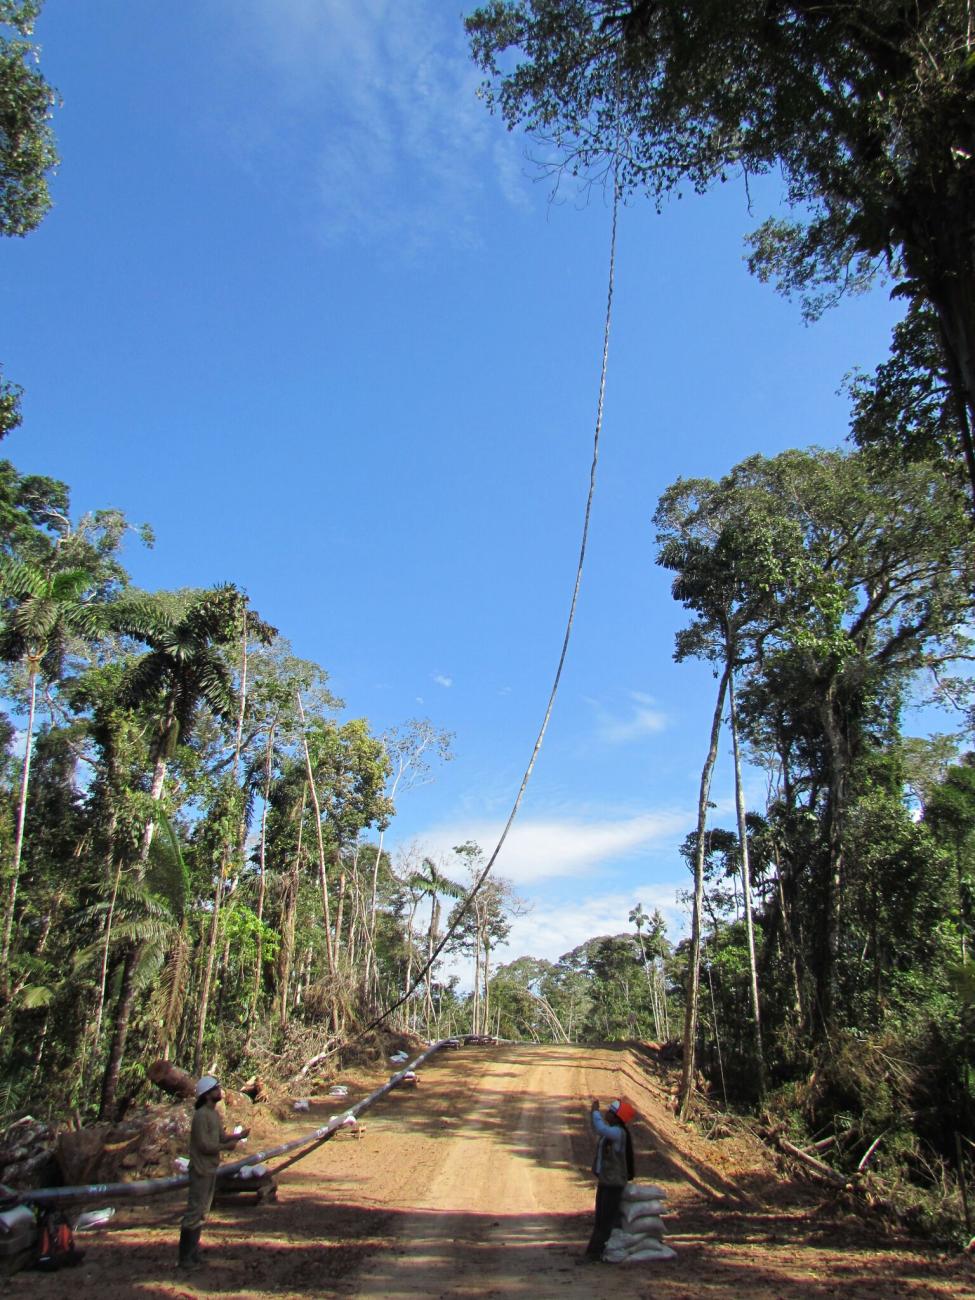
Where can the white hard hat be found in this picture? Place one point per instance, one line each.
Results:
(206, 1084)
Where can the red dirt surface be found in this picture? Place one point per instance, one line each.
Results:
(476, 1183)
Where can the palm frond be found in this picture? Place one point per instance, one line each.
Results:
(35, 996)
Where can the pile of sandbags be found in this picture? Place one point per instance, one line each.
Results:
(640, 1234)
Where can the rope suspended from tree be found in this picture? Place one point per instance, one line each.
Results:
(478, 884)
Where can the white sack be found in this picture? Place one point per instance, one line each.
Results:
(640, 1209)
(620, 1240)
(660, 1252)
(648, 1248)
(647, 1225)
(643, 1192)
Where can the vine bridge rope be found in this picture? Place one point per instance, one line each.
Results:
(478, 884)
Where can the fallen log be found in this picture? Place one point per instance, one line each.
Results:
(831, 1175)
(170, 1078)
(822, 1145)
(330, 1048)
(868, 1154)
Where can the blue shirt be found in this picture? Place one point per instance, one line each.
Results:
(611, 1133)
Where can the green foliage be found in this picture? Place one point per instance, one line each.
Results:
(865, 106)
(27, 149)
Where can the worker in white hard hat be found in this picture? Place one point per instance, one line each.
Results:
(207, 1137)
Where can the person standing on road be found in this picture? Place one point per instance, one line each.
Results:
(207, 1137)
(613, 1167)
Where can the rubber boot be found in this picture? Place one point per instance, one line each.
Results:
(189, 1248)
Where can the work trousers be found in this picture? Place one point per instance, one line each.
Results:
(608, 1201)
(200, 1200)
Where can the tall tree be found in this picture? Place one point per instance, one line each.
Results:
(432, 883)
(867, 106)
(49, 606)
(182, 670)
(874, 590)
(726, 547)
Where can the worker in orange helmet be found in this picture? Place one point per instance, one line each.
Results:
(613, 1167)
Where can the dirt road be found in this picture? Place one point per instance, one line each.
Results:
(476, 1184)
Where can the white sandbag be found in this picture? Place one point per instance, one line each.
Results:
(660, 1251)
(647, 1225)
(620, 1240)
(643, 1192)
(630, 1242)
(646, 1248)
(640, 1209)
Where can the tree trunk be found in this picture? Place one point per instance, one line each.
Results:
(261, 889)
(323, 880)
(694, 972)
(476, 1003)
(746, 888)
(11, 907)
(289, 904)
(430, 941)
(171, 1079)
(415, 902)
(373, 908)
(339, 911)
(829, 949)
(201, 1022)
(123, 1013)
(103, 973)
(789, 940)
(226, 857)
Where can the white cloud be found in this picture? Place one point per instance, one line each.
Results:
(542, 849)
(442, 680)
(641, 719)
(552, 929)
(377, 101)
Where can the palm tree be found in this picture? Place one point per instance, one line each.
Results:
(182, 671)
(49, 607)
(430, 882)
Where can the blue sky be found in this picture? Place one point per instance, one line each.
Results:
(302, 305)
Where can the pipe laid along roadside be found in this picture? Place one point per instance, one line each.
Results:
(95, 1193)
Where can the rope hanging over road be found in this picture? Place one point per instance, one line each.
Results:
(478, 884)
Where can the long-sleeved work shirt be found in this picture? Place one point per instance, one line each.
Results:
(206, 1138)
(609, 1165)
